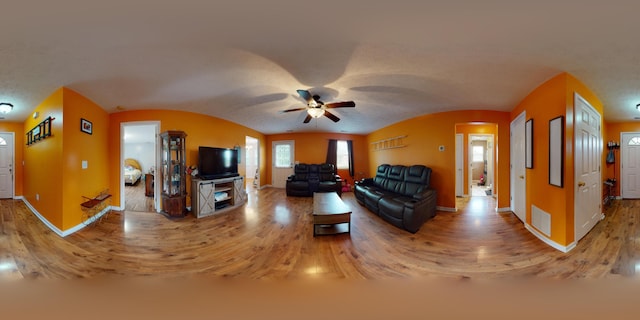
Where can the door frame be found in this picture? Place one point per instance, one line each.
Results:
(490, 158)
(623, 149)
(13, 163)
(257, 152)
(576, 189)
(292, 143)
(519, 120)
(158, 164)
(459, 164)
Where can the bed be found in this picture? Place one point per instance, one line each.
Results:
(132, 172)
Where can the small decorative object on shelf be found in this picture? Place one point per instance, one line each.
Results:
(173, 174)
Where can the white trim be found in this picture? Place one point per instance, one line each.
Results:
(507, 209)
(548, 241)
(18, 198)
(158, 156)
(68, 231)
(446, 209)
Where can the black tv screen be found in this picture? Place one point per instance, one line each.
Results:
(217, 163)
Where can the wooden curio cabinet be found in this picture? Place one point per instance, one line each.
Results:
(172, 174)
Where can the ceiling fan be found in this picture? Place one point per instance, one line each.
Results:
(316, 108)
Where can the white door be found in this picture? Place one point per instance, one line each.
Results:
(283, 159)
(630, 163)
(6, 165)
(588, 152)
(518, 171)
(459, 165)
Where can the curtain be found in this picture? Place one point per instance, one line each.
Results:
(350, 148)
(332, 153)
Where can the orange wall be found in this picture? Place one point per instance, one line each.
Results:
(19, 134)
(426, 133)
(43, 162)
(53, 165)
(78, 146)
(201, 130)
(474, 128)
(312, 147)
(553, 98)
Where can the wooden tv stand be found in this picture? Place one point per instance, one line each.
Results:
(209, 197)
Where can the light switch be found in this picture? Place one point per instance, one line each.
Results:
(85, 164)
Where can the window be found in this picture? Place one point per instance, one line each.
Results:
(342, 155)
(635, 141)
(478, 153)
(283, 156)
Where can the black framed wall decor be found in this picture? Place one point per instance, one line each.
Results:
(556, 151)
(528, 153)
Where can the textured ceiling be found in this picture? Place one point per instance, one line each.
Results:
(243, 60)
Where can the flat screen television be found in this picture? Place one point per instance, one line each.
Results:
(217, 163)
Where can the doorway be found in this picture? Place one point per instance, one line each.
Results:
(7, 160)
(139, 159)
(587, 158)
(518, 175)
(480, 153)
(630, 165)
(252, 160)
(283, 159)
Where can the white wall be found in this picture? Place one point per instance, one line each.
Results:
(143, 152)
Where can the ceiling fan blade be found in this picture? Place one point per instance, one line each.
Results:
(345, 104)
(304, 94)
(331, 116)
(307, 119)
(295, 109)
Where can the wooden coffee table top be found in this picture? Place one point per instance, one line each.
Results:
(329, 204)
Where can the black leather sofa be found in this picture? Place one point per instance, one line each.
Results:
(400, 195)
(309, 178)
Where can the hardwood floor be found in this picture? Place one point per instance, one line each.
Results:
(135, 199)
(271, 238)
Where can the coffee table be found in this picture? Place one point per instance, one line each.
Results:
(330, 214)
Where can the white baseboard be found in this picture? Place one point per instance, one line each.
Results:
(504, 210)
(68, 231)
(548, 241)
(446, 209)
(18, 198)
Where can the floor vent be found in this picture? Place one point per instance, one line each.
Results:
(541, 220)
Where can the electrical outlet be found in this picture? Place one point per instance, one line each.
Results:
(37, 197)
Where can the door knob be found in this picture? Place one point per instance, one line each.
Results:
(521, 177)
(581, 184)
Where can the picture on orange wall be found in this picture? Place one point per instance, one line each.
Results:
(556, 151)
(86, 126)
(528, 148)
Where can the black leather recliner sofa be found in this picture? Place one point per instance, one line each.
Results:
(309, 178)
(400, 195)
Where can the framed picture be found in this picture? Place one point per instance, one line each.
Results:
(556, 151)
(86, 126)
(528, 148)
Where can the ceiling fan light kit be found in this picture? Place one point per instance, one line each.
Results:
(315, 112)
(316, 108)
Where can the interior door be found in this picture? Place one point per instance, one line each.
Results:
(587, 158)
(630, 165)
(6, 165)
(283, 159)
(518, 171)
(459, 165)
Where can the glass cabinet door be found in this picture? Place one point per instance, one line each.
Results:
(173, 163)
